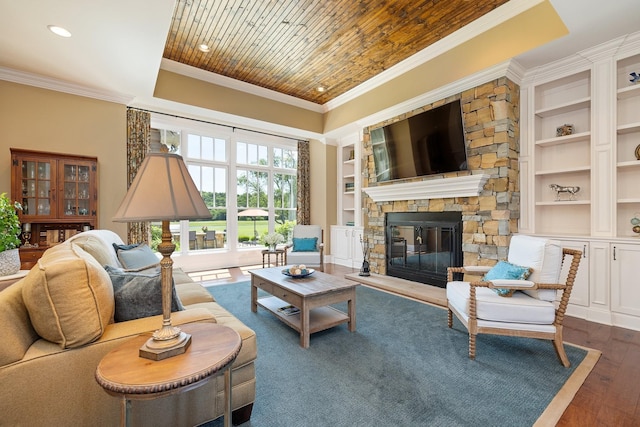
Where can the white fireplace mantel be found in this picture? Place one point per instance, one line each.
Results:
(459, 186)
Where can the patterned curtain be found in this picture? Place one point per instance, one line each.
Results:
(303, 215)
(138, 143)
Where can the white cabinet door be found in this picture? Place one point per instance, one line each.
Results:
(346, 248)
(580, 291)
(357, 246)
(625, 280)
(340, 245)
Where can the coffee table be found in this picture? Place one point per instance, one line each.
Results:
(313, 295)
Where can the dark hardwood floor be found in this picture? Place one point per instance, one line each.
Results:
(610, 396)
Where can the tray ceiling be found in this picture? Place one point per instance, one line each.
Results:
(293, 46)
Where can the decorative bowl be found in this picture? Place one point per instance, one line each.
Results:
(303, 273)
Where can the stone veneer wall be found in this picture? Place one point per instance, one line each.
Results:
(491, 117)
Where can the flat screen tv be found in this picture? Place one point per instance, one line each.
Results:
(428, 143)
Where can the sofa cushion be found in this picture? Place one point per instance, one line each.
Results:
(139, 294)
(69, 296)
(521, 308)
(506, 270)
(136, 257)
(98, 243)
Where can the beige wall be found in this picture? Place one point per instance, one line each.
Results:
(323, 187)
(190, 91)
(45, 120)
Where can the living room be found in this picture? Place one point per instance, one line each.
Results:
(42, 112)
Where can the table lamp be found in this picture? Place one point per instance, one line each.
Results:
(163, 190)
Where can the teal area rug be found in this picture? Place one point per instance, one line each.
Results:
(402, 367)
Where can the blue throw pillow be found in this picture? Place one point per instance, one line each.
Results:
(304, 244)
(139, 294)
(508, 271)
(136, 257)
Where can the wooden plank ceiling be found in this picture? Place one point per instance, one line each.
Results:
(294, 46)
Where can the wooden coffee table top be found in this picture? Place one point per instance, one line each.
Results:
(312, 285)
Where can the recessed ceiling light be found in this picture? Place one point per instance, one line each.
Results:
(204, 48)
(62, 32)
(321, 88)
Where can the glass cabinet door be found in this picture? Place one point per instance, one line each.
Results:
(38, 195)
(77, 178)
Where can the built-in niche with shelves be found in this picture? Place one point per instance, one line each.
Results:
(349, 185)
(627, 139)
(563, 158)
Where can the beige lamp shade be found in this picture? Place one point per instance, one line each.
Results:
(162, 190)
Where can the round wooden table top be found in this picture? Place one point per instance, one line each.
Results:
(213, 347)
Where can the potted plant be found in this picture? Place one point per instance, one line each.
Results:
(9, 236)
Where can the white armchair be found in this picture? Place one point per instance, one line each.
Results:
(307, 246)
(531, 310)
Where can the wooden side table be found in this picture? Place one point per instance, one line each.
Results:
(213, 349)
(280, 255)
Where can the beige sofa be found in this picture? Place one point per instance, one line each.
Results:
(57, 324)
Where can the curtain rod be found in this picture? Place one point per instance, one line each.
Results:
(217, 124)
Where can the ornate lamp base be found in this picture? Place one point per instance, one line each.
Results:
(155, 349)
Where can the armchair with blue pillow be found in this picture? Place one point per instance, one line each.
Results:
(307, 246)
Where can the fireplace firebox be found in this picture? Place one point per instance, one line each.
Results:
(421, 245)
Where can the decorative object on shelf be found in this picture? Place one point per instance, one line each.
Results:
(364, 270)
(272, 239)
(352, 155)
(637, 153)
(564, 130)
(635, 77)
(571, 191)
(9, 236)
(298, 271)
(635, 221)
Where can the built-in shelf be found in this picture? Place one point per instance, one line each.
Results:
(563, 171)
(628, 128)
(629, 91)
(564, 108)
(564, 202)
(564, 139)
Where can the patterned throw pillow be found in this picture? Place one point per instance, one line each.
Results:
(508, 271)
(139, 294)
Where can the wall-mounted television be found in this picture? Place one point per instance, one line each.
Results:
(428, 143)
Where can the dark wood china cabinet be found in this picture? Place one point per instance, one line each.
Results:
(59, 197)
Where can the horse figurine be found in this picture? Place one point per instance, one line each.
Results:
(571, 191)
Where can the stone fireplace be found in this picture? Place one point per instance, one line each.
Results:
(486, 197)
(421, 245)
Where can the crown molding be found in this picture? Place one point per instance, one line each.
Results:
(50, 83)
(617, 48)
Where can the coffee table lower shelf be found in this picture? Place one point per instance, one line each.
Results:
(320, 318)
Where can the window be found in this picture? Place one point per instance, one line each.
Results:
(235, 171)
